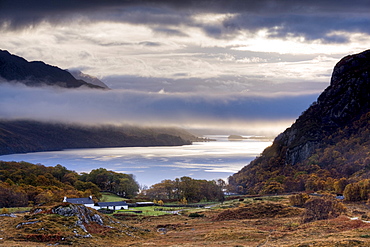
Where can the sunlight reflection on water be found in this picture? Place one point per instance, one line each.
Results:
(150, 165)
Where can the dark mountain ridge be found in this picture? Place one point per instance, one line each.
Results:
(340, 113)
(36, 73)
(31, 136)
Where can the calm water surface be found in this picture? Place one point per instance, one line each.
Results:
(150, 165)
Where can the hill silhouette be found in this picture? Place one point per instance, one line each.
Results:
(329, 141)
(17, 69)
(31, 136)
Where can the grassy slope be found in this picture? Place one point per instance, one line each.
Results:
(109, 197)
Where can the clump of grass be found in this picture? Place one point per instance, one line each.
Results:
(44, 237)
(291, 225)
(195, 215)
(4, 211)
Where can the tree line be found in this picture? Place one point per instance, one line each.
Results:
(187, 189)
(25, 184)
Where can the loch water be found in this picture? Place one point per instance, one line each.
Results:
(201, 160)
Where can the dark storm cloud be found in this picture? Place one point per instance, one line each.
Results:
(313, 20)
(310, 26)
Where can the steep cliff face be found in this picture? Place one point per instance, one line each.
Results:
(344, 102)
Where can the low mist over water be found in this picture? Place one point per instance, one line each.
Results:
(150, 165)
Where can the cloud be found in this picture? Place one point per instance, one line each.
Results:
(312, 20)
(131, 107)
(169, 31)
(223, 84)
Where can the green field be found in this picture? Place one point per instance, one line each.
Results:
(149, 211)
(109, 197)
(14, 210)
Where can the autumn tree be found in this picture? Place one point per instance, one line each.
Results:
(12, 196)
(359, 191)
(298, 200)
(90, 187)
(352, 192)
(340, 185)
(322, 208)
(272, 187)
(364, 188)
(189, 188)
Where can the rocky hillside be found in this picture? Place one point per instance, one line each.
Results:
(66, 224)
(16, 69)
(342, 112)
(31, 136)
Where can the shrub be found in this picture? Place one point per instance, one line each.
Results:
(195, 215)
(352, 192)
(322, 208)
(44, 237)
(184, 201)
(4, 211)
(298, 200)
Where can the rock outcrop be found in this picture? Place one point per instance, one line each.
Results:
(344, 101)
(71, 224)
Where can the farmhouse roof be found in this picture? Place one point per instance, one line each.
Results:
(84, 200)
(112, 204)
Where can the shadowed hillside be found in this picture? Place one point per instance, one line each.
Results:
(32, 136)
(329, 141)
(37, 73)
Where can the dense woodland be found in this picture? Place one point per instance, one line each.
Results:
(26, 184)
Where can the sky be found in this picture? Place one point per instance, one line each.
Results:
(237, 64)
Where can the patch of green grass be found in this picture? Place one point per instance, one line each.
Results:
(273, 198)
(148, 211)
(110, 197)
(19, 209)
(365, 236)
